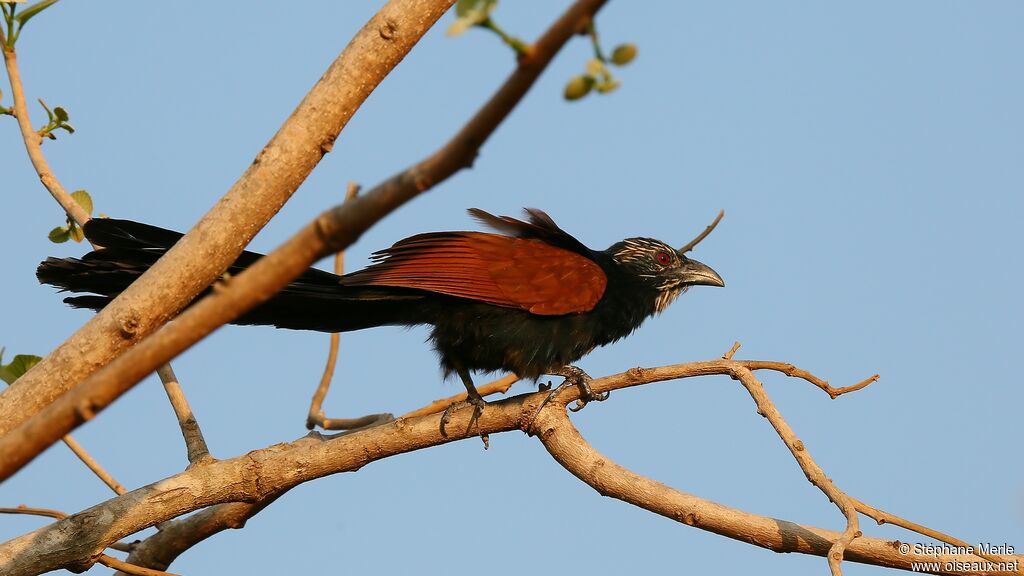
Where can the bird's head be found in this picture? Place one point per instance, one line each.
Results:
(662, 268)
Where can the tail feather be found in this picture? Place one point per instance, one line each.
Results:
(313, 301)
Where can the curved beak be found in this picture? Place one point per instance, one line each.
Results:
(694, 273)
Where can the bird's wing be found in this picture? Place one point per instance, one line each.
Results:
(524, 273)
(539, 226)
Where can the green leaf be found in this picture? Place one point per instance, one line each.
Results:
(466, 8)
(18, 366)
(459, 26)
(83, 199)
(470, 13)
(70, 129)
(59, 235)
(623, 54)
(76, 232)
(578, 87)
(32, 10)
(61, 114)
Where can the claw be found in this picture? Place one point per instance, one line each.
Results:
(579, 378)
(574, 376)
(476, 402)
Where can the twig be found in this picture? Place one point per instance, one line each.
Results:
(330, 232)
(32, 140)
(793, 371)
(114, 563)
(499, 386)
(814, 473)
(22, 509)
(316, 416)
(267, 472)
(219, 237)
(728, 355)
(195, 444)
(692, 243)
(93, 465)
(883, 517)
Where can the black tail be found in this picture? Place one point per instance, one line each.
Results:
(313, 301)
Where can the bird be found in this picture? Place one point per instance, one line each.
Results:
(528, 298)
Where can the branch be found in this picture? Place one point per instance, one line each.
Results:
(219, 237)
(93, 465)
(315, 417)
(195, 444)
(499, 386)
(793, 371)
(693, 243)
(331, 231)
(74, 541)
(177, 536)
(108, 561)
(33, 140)
(815, 474)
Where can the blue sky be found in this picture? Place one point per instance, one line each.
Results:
(869, 159)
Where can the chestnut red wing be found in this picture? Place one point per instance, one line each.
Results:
(514, 272)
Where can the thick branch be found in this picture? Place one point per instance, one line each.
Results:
(75, 541)
(333, 230)
(177, 536)
(217, 239)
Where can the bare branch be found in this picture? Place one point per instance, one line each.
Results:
(47, 512)
(74, 541)
(177, 536)
(195, 444)
(127, 568)
(217, 239)
(766, 408)
(499, 386)
(93, 465)
(316, 416)
(883, 517)
(50, 513)
(793, 371)
(732, 351)
(331, 231)
(692, 243)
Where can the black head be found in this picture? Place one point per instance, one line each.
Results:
(662, 268)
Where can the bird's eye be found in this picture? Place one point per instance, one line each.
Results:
(663, 258)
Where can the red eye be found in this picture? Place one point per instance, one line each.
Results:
(663, 258)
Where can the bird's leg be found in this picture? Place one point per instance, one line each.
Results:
(472, 397)
(577, 377)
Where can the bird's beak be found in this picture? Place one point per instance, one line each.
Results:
(695, 273)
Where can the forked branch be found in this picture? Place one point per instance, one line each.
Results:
(262, 474)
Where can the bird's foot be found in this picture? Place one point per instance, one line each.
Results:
(575, 376)
(477, 402)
